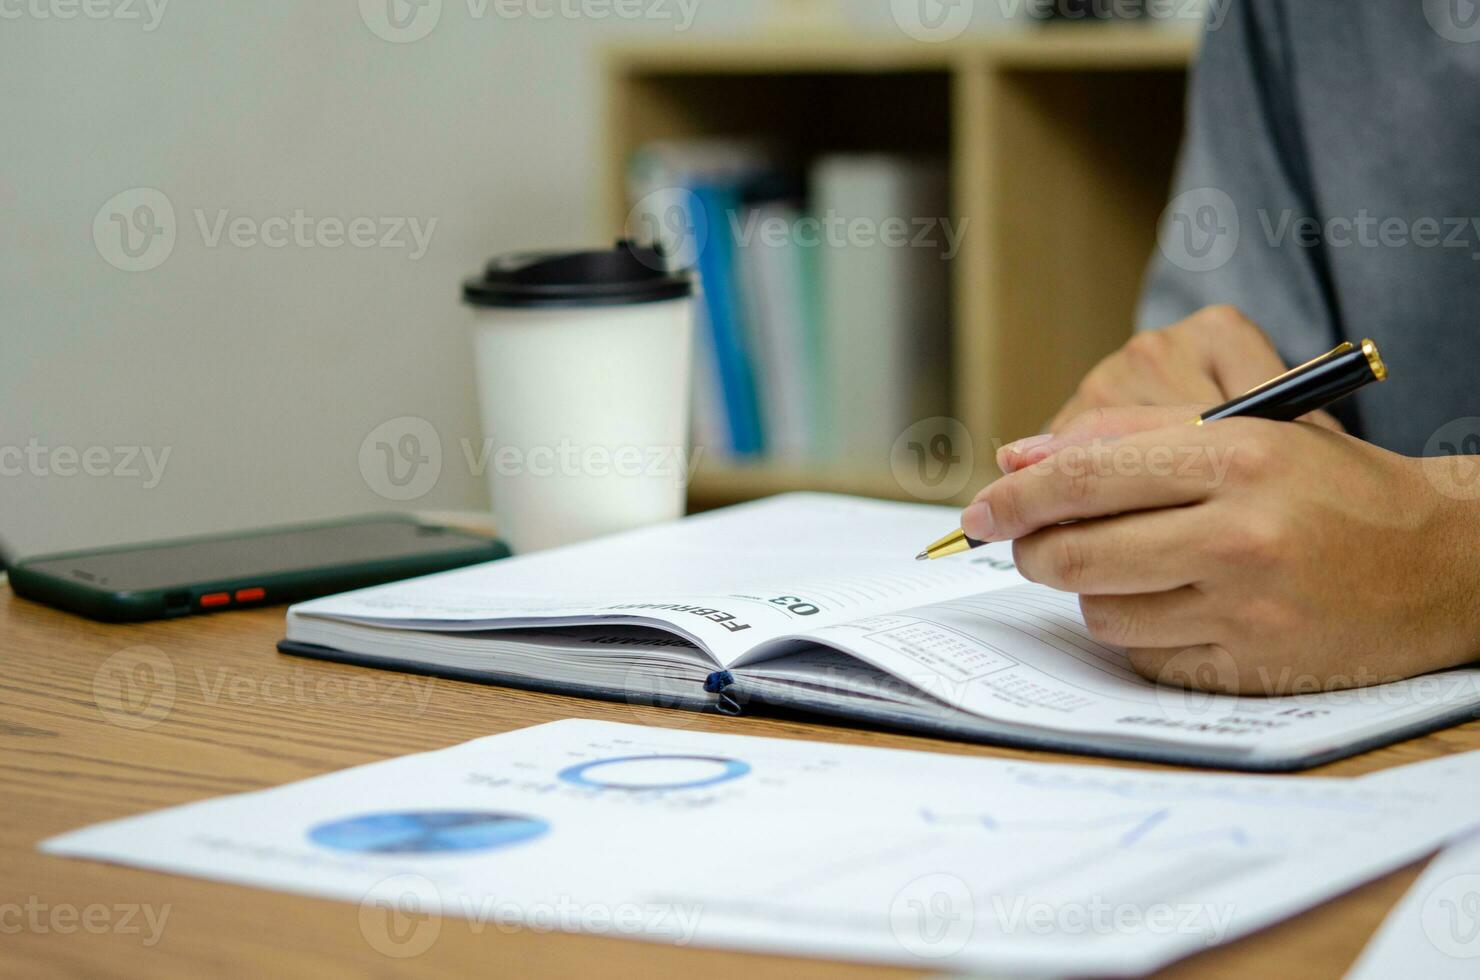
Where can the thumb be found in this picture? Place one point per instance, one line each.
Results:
(1097, 423)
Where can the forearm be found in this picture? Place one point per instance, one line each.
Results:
(1455, 542)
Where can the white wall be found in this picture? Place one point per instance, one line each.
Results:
(260, 371)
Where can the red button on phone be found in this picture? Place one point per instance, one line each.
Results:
(250, 595)
(215, 599)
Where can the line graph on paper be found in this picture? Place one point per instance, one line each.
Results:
(1134, 829)
(1109, 851)
(1026, 852)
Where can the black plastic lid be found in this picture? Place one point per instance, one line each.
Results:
(628, 273)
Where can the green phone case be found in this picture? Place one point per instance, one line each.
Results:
(184, 599)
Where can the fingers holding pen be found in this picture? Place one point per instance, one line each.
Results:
(1094, 424)
(1145, 471)
(1132, 554)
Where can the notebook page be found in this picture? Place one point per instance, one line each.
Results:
(1024, 655)
(729, 580)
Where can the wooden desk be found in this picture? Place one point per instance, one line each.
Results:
(238, 716)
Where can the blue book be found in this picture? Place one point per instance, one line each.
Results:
(716, 266)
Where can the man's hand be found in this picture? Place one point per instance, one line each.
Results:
(1206, 359)
(1243, 555)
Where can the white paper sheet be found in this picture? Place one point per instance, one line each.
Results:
(803, 848)
(1434, 931)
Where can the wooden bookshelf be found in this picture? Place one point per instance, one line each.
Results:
(1060, 142)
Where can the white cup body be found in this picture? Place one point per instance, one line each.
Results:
(585, 417)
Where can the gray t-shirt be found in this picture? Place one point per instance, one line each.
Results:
(1329, 185)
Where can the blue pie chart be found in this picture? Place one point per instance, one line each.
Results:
(654, 772)
(427, 831)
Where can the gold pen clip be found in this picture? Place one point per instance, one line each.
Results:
(1341, 348)
(1369, 350)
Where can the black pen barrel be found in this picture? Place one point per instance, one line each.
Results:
(1288, 397)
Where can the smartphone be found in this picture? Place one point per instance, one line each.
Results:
(247, 568)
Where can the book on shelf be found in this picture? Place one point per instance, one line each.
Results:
(823, 325)
(783, 322)
(884, 297)
(683, 194)
(729, 338)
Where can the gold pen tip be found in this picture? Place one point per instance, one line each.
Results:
(953, 543)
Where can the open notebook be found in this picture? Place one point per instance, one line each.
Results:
(815, 602)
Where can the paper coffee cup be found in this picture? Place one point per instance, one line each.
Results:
(583, 372)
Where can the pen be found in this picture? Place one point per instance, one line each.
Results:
(1300, 390)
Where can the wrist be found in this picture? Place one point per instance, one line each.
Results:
(1454, 536)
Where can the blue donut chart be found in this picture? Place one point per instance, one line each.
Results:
(587, 774)
(427, 831)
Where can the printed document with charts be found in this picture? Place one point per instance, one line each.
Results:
(814, 602)
(786, 846)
